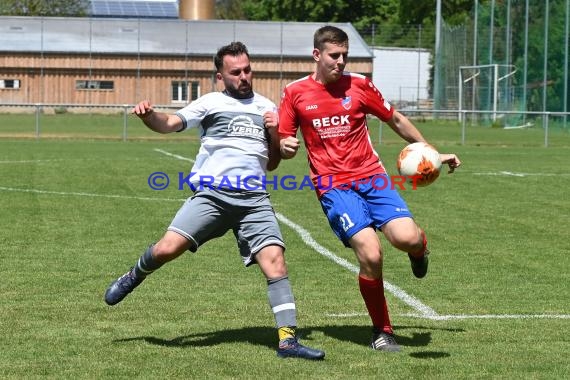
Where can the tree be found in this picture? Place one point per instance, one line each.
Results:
(44, 7)
(386, 22)
(229, 10)
(296, 10)
(366, 15)
(416, 12)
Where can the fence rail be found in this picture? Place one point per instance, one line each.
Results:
(116, 121)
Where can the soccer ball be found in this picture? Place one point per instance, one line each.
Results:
(419, 163)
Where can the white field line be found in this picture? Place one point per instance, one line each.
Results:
(463, 316)
(515, 174)
(29, 161)
(308, 239)
(424, 310)
(174, 155)
(416, 304)
(82, 194)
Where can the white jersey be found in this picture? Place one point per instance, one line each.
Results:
(234, 141)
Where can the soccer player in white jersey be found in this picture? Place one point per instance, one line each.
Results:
(239, 139)
(330, 108)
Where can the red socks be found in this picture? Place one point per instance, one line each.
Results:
(372, 291)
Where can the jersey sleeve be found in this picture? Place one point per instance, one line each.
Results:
(287, 117)
(193, 114)
(375, 103)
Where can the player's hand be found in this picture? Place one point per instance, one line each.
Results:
(289, 147)
(270, 119)
(143, 109)
(451, 160)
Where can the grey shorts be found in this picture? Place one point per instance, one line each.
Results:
(210, 213)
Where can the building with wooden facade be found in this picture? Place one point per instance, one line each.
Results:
(100, 61)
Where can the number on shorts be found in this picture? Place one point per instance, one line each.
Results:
(346, 222)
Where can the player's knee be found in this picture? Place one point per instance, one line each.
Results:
(407, 239)
(272, 261)
(168, 249)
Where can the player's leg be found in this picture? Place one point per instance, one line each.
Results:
(391, 214)
(368, 250)
(404, 234)
(271, 261)
(260, 241)
(169, 247)
(197, 221)
(349, 218)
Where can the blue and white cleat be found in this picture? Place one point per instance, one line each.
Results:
(120, 288)
(291, 348)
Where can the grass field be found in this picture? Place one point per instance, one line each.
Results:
(76, 213)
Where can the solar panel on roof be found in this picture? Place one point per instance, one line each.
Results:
(147, 9)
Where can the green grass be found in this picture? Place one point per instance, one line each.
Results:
(115, 126)
(118, 126)
(76, 213)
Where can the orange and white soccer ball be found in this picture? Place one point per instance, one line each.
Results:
(419, 163)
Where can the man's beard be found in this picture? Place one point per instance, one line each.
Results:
(243, 94)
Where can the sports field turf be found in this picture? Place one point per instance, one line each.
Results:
(77, 212)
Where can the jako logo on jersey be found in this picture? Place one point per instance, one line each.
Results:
(243, 125)
(328, 121)
(311, 107)
(347, 103)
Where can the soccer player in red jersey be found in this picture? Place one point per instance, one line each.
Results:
(330, 107)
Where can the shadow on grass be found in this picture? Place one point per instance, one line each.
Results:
(266, 336)
(263, 336)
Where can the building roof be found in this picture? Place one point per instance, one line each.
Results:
(134, 8)
(164, 36)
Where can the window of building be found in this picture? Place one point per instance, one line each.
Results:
(94, 85)
(10, 83)
(180, 91)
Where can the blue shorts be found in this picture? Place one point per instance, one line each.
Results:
(352, 207)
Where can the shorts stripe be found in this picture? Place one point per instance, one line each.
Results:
(258, 248)
(183, 233)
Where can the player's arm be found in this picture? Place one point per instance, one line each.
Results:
(288, 147)
(288, 143)
(157, 121)
(451, 160)
(375, 104)
(271, 122)
(404, 128)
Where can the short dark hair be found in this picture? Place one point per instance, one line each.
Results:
(330, 34)
(234, 49)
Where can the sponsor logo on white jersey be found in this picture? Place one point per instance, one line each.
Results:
(243, 125)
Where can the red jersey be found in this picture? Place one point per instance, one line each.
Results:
(333, 123)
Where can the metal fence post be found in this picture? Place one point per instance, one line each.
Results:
(463, 126)
(38, 109)
(545, 125)
(125, 113)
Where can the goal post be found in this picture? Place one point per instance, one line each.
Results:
(486, 88)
